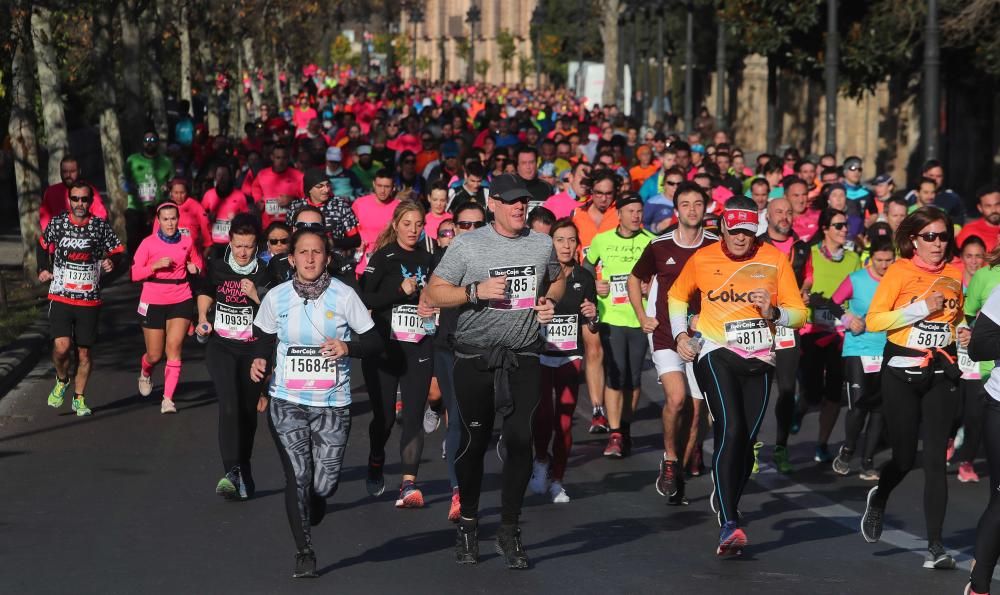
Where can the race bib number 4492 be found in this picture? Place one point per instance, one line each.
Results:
(306, 368)
(522, 286)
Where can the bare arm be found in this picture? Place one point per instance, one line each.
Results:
(442, 294)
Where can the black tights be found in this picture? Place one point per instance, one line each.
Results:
(864, 400)
(474, 393)
(974, 398)
(736, 391)
(909, 396)
(408, 367)
(237, 396)
(988, 530)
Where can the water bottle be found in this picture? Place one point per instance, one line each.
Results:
(202, 338)
(428, 324)
(695, 342)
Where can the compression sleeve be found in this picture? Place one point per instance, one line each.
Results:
(844, 292)
(365, 344)
(680, 295)
(141, 267)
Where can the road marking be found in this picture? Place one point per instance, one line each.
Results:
(804, 497)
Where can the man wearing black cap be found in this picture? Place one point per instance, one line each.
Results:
(617, 250)
(505, 280)
(338, 217)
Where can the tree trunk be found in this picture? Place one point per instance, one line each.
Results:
(239, 106)
(50, 88)
(153, 32)
(133, 104)
(111, 138)
(184, 39)
(250, 62)
(772, 104)
(208, 90)
(21, 128)
(610, 10)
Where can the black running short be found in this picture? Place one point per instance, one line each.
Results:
(77, 322)
(157, 315)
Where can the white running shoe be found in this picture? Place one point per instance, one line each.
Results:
(432, 420)
(558, 494)
(539, 482)
(145, 385)
(167, 406)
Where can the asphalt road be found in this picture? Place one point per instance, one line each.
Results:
(123, 502)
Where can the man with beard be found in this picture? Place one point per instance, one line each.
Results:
(56, 197)
(364, 167)
(988, 228)
(146, 177)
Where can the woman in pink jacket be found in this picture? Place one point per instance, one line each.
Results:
(163, 262)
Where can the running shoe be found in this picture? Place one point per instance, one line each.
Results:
(375, 482)
(58, 394)
(822, 454)
(410, 496)
(80, 406)
(432, 419)
(145, 385)
(781, 459)
(305, 564)
(666, 480)
(399, 409)
(871, 521)
(167, 406)
(614, 447)
(455, 511)
(967, 473)
(756, 457)
(509, 546)
(732, 540)
(870, 474)
(466, 544)
(948, 454)
(599, 421)
(317, 510)
(229, 486)
(539, 482)
(940, 559)
(969, 591)
(696, 466)
(842, 464)
(558, 494)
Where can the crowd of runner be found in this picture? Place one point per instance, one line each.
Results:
(485, 255)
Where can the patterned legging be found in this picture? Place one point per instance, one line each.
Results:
(311, 442)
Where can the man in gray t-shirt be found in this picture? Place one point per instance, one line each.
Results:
(506, 281)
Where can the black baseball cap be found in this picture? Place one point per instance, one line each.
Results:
(627, 199)
(508, 188)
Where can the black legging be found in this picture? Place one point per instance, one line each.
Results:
(786, 369)
(474, 394)
(822, 370)
(408, 367)
(237, 396)
(864, 400)
(736, 391)
(988, 530)
(909, 396)
(974, 398)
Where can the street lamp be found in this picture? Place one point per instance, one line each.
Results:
(416, 17)
(537, 19)
(472, 17)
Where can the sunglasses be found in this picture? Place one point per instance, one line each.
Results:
(838, 226)
(470, 224)
(930, 236)
(310, 226)
(276, 241)
(671, 183)
(446, 233)
(150, 139)
(86, 199)
(855, 168)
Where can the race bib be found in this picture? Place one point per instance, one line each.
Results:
(273, 208)
(143, 308)
(307, 369)
(825, 319)
(561, 334)
(184, 231)
(78, 277)
(784, 337)
(147, 192)
(234, 322)
(406, 325)
(970, 369)
(928, 335)
(749, 338)
(521, 288)
(619, 290)
(871, 363)
(220, 230)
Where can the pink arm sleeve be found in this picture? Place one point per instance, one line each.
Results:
(140, 263)
(844, 292)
